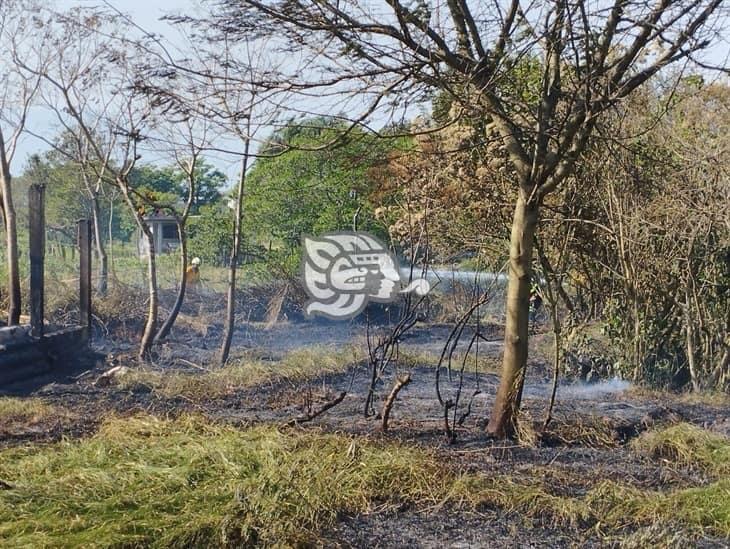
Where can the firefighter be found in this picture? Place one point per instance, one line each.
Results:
(192, 274)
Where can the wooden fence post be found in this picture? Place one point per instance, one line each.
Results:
(37, 245)
(85, 274)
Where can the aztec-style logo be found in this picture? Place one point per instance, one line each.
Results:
(343, 271)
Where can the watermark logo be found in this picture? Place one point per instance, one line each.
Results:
(344, 271)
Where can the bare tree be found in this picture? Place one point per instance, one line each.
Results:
(244, 109)
(75, 148)
(19, 26)
(583, 58)
(187, 141)
(227, 83)
(93, 180)
(91, 90)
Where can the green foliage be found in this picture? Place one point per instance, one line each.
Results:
(312, 191)
(209, 181)
(68, 198)
(210, 234)
(165, 181)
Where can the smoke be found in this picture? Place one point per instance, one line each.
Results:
(592, 391)
(420, 286)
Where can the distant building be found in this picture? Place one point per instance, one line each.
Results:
(164, 232)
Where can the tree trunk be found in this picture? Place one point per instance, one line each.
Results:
(170, 320)
(151, 324)
(11, 234)
(553, 287)
(181, 221)
(502, 422)
(111, 236)
(100, 251)
(690, 333)
(235, 250)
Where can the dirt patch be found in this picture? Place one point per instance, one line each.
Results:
(442, 528)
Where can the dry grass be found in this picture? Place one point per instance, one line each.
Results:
(25, 411)
(702, 509)
(122, 304)
(715, 399)
(688, 446)
(581, 430)
(240, 374)
(484, 363)
(19, 416)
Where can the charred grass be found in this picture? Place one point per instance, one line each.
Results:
(19, 415)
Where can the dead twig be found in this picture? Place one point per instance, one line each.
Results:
(400, 382)
(192, 364)
(319, 411)
(450, 434)
(467, 413)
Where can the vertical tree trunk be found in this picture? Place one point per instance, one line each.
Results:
(111, 235)
(553, 287)
(11, 235)
(151, 324)
(637, 359)
(690, 333)
(100, 251)
(502, 422)
(170, 320)
(235, 250)
(181, 221)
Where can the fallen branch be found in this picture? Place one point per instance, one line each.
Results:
(192, 364)
(321, 410)
(400, 382)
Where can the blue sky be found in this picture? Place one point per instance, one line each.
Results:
(146, 14)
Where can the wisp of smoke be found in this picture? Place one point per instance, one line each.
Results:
(591, 391)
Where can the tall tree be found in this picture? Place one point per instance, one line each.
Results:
(90, 84)
(225, 82)
(589, 56)
(186, 141)
(20, 26)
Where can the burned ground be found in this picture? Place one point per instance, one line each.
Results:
(590, 444)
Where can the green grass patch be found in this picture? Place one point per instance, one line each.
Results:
(241, 373)
(143, 481)
(686, 445)
(483, 363)
(525, 496)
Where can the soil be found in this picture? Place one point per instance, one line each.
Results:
(614, 409)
